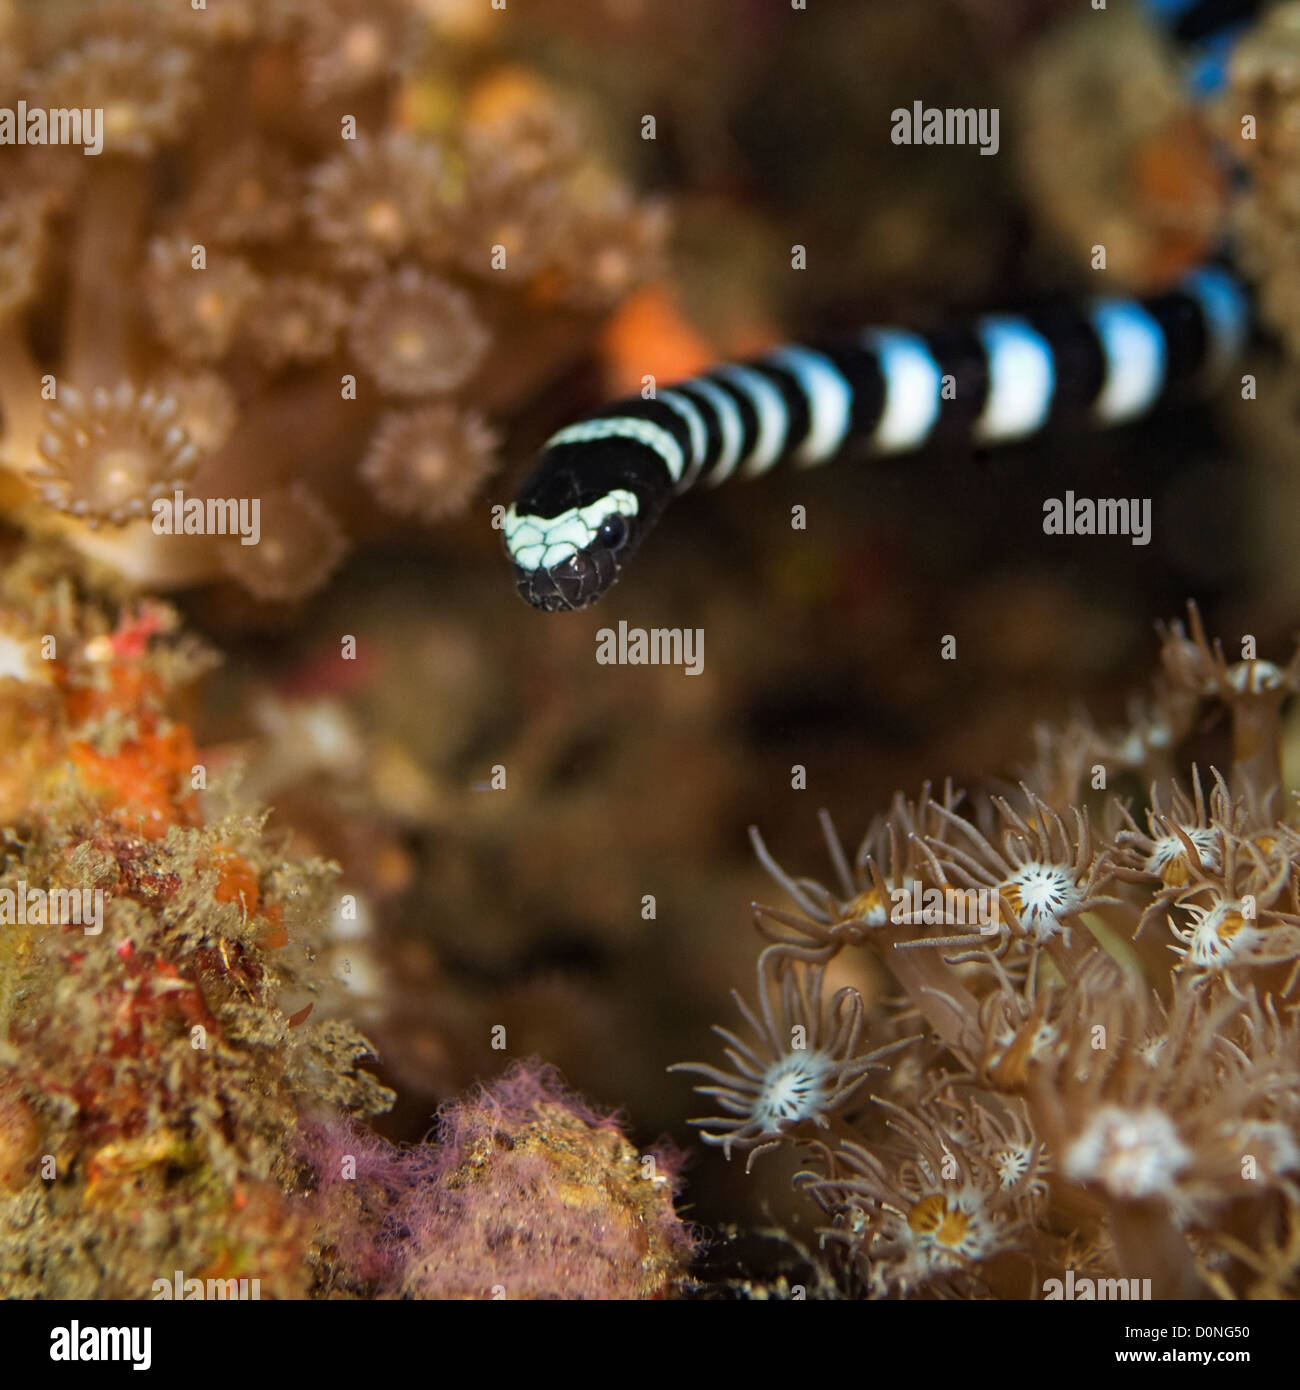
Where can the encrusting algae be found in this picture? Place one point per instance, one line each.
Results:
(161, 1056)
(528, 1193)
(1092, 1056)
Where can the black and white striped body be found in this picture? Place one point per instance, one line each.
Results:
(601, 484)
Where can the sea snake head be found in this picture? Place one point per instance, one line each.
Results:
(568, 560)
(579, 518)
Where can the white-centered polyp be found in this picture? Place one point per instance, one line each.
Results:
(1131, 1153)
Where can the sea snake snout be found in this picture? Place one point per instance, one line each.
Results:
(576, 582)
(598, 488)
(567, 561)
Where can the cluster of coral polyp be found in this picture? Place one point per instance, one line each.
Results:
(1086, 1062)
(324, 244)
(179, 1090)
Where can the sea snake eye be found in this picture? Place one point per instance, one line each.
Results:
(613, 532)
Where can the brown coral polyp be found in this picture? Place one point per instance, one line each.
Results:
(417, 334)
(206, 407)
(110, 453)
(301, 544)
(146, 90)
(428, 463)
(296, 319)
(349, 45)
(380, 199)
(249, 195)
(197, 311)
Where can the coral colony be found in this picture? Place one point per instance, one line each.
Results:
(275, 288)
(280, 276)
(1098, 1080)
(214, 1141)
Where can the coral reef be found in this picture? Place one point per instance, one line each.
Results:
(170, 1046)
(154, 1063)
(271, 1152)
(1089, 1009)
